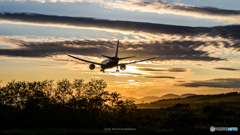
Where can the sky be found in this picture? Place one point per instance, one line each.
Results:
(196, 43)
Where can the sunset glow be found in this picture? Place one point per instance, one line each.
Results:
(196, 43)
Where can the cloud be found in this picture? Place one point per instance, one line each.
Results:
(173, 42)
(168, 77)
(227, 69)
(163, 69)
(185, 50)
(216, 83)
(180, 81)
(229, 33)
(69, 65)
(132, 82)
(50, 66)
(124, 73)
(164, 7)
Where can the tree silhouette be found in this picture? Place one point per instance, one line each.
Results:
(115, 96)
(63, 92)
(65, 104)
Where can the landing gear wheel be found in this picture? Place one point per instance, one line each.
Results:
(117, 70)
(102, 70)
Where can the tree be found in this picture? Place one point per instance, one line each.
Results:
(63, 92)
(114, 97)
(78, 87)
(95, 87)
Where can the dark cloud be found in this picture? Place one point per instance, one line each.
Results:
(166, 69)
(67, 60)
(169, 7)
(229, 32)
(216, 83)
(227, 69)
(180, 81)
(168, 77)
(207, 10)
(176, 50)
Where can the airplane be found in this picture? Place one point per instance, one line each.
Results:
(110, 62)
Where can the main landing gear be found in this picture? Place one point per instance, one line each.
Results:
(117, 69)
(102, 70)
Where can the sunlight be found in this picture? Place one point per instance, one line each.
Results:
(130, 71)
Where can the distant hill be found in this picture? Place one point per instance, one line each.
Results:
(169, 96)
(130, 98)
(149, 99)
(187, 95)
(195, 100)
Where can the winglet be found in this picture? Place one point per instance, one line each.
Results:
(117, 49)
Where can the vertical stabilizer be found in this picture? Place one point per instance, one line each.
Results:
(117, 49)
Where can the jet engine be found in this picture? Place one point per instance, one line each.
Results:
(123, 67)
(92, 66)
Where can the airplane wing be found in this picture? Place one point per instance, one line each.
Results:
(84, 60)
(135, 61)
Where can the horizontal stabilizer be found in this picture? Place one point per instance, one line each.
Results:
(126, 57)
(107, 56)
(135, 61)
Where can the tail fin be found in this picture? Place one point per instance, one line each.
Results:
(117, 49)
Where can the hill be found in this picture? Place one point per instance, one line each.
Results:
(149, 99)
(196, 100)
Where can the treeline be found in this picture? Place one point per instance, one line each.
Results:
(216, 95)
(65, 104)
(206, 96)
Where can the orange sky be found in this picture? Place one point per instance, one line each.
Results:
(196, 47)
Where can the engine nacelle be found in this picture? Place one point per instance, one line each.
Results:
(123, 67)
(92, 66)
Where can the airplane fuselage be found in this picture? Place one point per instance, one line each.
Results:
(109, 63)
